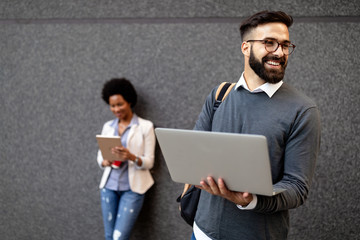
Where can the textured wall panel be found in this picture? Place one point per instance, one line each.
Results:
(51, 82)
(325, 68)
(75, 9)
(51, 77)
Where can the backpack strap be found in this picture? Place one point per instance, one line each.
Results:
(222, 92)
(186, 187)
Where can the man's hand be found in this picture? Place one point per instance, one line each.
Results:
(220, 189)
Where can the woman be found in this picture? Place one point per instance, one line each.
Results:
(123, 188)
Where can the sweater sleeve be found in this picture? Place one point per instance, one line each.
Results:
(204, 121)
(301, 151)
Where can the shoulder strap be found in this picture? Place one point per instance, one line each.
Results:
(222, 92)
(186, 187)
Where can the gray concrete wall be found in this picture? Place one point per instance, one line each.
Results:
(56, 55)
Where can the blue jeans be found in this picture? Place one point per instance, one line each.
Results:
(120, 210)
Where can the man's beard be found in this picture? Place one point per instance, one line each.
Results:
(270, 76)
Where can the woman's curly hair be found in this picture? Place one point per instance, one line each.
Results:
(120, 86)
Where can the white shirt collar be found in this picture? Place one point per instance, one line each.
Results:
(268, 88)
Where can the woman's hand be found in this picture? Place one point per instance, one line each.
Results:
(106, 163)
(123, 153)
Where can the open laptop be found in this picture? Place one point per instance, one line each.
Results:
(242, 160)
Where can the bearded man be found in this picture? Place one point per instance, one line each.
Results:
(261, 103)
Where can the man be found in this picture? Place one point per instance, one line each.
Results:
(261, 104)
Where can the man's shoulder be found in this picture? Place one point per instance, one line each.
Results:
(294, 96)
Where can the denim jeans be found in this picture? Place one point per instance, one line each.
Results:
(120, 210)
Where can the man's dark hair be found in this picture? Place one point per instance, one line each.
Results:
(264, 17)
(120, 86)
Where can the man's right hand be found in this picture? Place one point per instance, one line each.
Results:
(220, 189)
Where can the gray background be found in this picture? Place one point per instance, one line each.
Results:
(56, 55)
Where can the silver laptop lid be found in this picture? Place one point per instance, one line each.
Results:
(242, 160)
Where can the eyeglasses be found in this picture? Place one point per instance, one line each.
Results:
(273, 45)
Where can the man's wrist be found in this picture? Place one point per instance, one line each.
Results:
(250, 205)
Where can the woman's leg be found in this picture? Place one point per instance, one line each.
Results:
(109, 206)
(129, 209)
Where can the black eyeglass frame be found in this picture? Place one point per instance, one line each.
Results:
(292, 46)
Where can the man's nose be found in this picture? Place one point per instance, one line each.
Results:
(279, 51)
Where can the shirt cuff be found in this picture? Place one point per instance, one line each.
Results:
(251, 205)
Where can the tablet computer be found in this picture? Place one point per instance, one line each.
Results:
(106, 143)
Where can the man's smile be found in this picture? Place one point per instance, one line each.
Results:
(273, 63)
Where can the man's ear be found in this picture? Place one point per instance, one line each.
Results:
(245, 48)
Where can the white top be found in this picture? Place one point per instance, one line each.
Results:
(141, 142)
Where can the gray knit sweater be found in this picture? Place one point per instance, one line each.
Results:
(291, 123)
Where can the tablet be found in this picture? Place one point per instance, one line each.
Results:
(106, 143)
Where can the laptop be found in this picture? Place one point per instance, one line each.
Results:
(242, 160)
